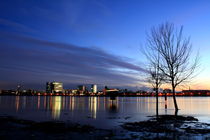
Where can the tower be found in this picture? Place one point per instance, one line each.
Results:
(94, 88)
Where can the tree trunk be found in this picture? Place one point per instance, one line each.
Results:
(174, 98)
(176, 112)
(166, 100)
(157, 102)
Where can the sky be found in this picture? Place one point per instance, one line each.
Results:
(92, 41)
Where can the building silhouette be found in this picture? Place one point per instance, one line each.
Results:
(54, 87)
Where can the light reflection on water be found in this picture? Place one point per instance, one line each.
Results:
(56, 107)
(93, 106)
(99, 111)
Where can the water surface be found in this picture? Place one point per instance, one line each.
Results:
(99, 111)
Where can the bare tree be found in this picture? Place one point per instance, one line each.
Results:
(174, 51)
(155, 75)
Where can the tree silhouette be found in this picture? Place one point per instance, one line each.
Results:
(174, 52)
(155, 75)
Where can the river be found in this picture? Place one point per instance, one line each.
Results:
(100, 112)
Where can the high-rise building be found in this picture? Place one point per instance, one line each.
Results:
(57, 87)
(81, 87)
(54, 87)
(48, 87)
(94, 88)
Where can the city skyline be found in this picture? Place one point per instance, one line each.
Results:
(82, 42)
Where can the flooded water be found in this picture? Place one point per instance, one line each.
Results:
(99, 111)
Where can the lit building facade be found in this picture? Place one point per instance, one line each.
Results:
(94, 88)
(54, 87)
(82, 89)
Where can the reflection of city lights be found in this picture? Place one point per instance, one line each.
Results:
(93, 106)
(45, 102)
(56, 107)
(113, 105)
(38, 102)
(71, 104)
(17, 103)
(63, 102)
(49, 103)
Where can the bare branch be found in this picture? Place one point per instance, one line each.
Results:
(173, 51)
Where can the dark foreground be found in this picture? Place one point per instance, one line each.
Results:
(165, 127)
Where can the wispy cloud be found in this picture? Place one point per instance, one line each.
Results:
(16, 26)
(25, 59)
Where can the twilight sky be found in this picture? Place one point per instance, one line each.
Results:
(92, 41)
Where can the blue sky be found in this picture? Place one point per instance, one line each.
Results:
(91, 41)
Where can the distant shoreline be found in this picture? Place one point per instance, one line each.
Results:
(110, 96)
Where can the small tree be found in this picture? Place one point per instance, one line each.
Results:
(174, 51)
(155, 75)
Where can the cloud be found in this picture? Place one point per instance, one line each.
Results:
(30, 60)
(16, 26)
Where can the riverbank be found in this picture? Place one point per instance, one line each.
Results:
(165, 127)
(14, 128)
